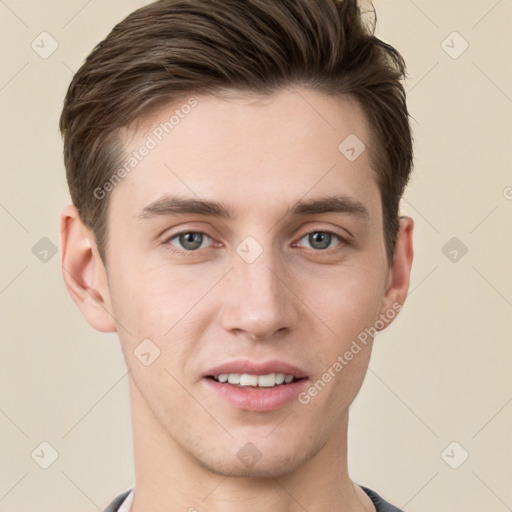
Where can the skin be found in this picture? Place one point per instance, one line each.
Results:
(295, 302)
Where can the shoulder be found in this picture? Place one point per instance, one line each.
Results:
(381, 505)
(116, 503)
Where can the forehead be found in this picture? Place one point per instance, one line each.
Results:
(248, 149)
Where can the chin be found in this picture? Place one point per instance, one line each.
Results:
(250, 462)
(261, 469)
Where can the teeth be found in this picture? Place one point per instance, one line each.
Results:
(267, 381)
(234, 378)
(280, 378)
(248, 380)
(263, 381)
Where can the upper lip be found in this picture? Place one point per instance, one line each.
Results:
(256, 368)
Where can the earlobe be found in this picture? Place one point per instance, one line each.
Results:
(83, 271)
(398, 279)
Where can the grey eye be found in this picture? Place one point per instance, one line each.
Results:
(321, 239)
(189, 241)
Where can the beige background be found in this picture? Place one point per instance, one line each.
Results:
(440, 374)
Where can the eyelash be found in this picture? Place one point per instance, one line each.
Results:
(341, 242)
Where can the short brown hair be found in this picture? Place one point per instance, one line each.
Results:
(175, 47)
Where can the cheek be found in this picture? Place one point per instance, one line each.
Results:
(347, 305)
(150, 300)
(347, 302)
(161, 311)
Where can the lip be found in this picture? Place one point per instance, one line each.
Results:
(256, 368)
(257, 399)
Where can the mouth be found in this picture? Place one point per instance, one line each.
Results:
(254, 386)
(246, 380)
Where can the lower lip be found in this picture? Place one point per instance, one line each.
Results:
(258, 399)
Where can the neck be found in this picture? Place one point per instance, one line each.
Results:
(170, 479)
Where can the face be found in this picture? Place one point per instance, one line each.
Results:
(246, 242)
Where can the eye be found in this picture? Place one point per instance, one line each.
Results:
(321, 240)
(189, 240)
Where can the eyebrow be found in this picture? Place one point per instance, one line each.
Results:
(174, 205)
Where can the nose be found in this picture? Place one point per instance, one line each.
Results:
(259, 301)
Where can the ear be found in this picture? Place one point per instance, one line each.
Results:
(399, 272)
(83, 271)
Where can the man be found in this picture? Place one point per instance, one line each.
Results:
(236, 170)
